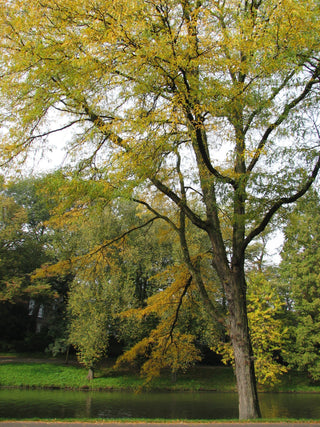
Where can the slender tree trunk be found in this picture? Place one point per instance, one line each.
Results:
(243, 355)
(90, 375)
(67, 354)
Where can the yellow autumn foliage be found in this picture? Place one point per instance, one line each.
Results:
(166, 346)
(269, 334)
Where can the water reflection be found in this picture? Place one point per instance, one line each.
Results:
(204, 405)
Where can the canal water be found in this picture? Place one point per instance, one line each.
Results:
(15, 404)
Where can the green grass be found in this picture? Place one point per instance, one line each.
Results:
(59, 375)
(45, 373)
(297, 382)
(49, 375)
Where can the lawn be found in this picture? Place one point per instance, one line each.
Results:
(45, 373)
(60, 375)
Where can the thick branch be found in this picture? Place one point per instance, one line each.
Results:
(103, 127)
(195, 219)
(282, 201)
(283, 116)
(203, 150)
(186, 287)
(156, 213)
(122, 236)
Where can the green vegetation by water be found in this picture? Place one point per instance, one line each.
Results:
(48, 374)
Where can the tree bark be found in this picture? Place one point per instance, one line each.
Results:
(90, 375)
(241, 343)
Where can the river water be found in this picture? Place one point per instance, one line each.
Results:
(203, 405)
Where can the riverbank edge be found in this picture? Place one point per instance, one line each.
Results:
(145, 389)
(131, 389)
(160, 421)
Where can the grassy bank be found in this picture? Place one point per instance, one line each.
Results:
(44, 373)
(134, 421)
(55, 375)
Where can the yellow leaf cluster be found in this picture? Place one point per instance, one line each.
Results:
(175, 280)
(166, 346)
(160, 351)
(268, 333)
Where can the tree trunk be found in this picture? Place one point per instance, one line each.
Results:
(90, 375)
(243, 355)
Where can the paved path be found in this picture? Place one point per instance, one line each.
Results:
(169, 424)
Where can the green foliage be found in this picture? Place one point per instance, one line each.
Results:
(300, 276)
(26, 244)
(23, 240)
(268, 330)
(89, 321)
(112, 273)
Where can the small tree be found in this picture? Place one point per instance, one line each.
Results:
(89, 322)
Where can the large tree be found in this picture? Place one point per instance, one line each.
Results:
(209, 103)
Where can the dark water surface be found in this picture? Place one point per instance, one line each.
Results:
(203, 405)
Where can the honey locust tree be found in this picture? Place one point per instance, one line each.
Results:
(206, 101)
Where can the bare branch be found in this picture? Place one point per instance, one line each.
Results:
(185, 289)
(275, 92)
(50, 132)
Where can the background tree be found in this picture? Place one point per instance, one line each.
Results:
(25, 242)
(90, 319)
(155, 90)
(300, 276)
(22, 244)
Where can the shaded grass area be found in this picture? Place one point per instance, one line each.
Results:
(297, 382)
(54, 373)
(59, 375)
